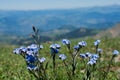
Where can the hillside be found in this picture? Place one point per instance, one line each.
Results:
(112, 32)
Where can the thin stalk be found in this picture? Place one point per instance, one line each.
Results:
(74, 63)
(67, 69)
(108, 68)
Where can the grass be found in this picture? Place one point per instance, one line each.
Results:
(12, 67)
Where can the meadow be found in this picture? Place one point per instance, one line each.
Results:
(29, 65)
(13, 67)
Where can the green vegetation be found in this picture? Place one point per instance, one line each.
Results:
(12, 67)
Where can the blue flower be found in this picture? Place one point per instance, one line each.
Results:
(88, 54)
(115, 52)
(82, 44)
(41, 60)
(32, 50)
(30, 58)
(95, 56)
(31, 67)
(65, 41)
(91, 62)
(54, 48)
(62, 57)
(33, 46)
(41, 46)
(97, 42)
(17, 51)
(77, 47)
(23, 49)
(20, 50)
(82, 55)
(57, 46)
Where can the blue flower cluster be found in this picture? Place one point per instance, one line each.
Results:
(80, 45)
(30, 54)
(92, 57)
(54, 48)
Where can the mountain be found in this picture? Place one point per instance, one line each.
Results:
(51, 21)
(111, 33)
(80, 32)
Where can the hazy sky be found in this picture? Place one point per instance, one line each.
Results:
(52, 4)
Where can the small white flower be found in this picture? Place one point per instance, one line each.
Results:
(115, 52)
(42, 59)
(62, 57)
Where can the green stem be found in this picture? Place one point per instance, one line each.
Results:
(108, 68)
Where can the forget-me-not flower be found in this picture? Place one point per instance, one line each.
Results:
(82, 44)
(42, 59)
(82, 55)
(62, 57)
(88, 54)
(97, 42)
(115, 52)
(65, 41)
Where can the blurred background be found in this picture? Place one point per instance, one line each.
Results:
(57, 19)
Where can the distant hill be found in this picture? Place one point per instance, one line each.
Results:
(111, 33)
(80, 32)
(20, 22)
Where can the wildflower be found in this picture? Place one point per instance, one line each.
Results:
(115, 52)
(95, 56)
(88, 54)
(23, 49)
(33, 46)
(62, 57)
(82, 55)
(30, 52)
(54, 48)
(77, 47)
(31, 67)
(99, 50)
(57, 46)
(42, 59)
(82, 44)
(17, 51)
(30, 58)
(91, 62)
(65, 41)
(97, 42)
(41, 46)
